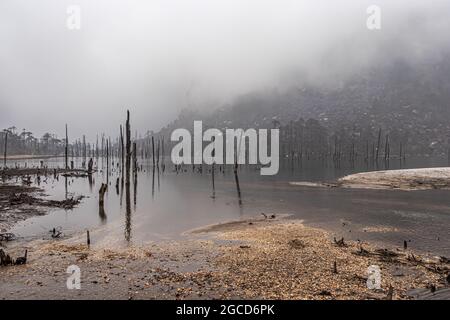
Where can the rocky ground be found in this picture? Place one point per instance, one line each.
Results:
(258, 258)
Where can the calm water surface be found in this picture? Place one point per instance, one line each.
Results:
(162, 205)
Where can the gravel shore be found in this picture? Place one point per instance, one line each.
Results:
(257, 258)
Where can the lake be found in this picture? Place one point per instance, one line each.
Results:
(163, 205)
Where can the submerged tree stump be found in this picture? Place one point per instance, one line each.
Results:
(90, 165)
(101, 194)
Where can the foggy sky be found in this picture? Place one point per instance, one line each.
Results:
(157, 57)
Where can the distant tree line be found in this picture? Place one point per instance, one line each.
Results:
(25, 143)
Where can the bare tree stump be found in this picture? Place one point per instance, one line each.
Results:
(88, 238)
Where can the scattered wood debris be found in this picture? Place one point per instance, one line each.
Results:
(24, 198)
(7, 236)
(214, 269)
(296, 244)
(6, 260)
(340, 242)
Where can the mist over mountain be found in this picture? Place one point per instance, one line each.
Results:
(410, 102)
(159, 57)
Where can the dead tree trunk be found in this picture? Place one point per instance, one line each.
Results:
(107, 161)
(84, 151)
(96, 149)
(127, 185)
(134, 158)
(6, 148)
(386, 148)
(122, 150)
(162, 153)
(122, 153)
(378, 144)
(67, 149)
(128, 149)
(90, 166)
(213, 172)
(236, 178)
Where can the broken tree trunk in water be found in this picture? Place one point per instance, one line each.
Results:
(127, 178)
(5, 259)
(236, 178)
(6, 148)
(67, 149)
(122, 152)
(101, 202)
(378, 145)
(213, 172)
(134, 158)
(107, 161)
(90, 166)
(128, 149)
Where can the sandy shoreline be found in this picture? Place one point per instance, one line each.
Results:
(405, 179)
(261, 258)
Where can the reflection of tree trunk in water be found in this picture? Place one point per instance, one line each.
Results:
(128, 212)
(236, 178)
(135, 190)
(107, 162)
(65, 186)
(121, 192)
(213, 184)
(157, 156)
(135, 170)
(153, 150)
(122, 155)
(153, 182)
(102, 214)
(101, 202)
(91, 182)
(163, 166)
(158, 179)
(212, 171)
